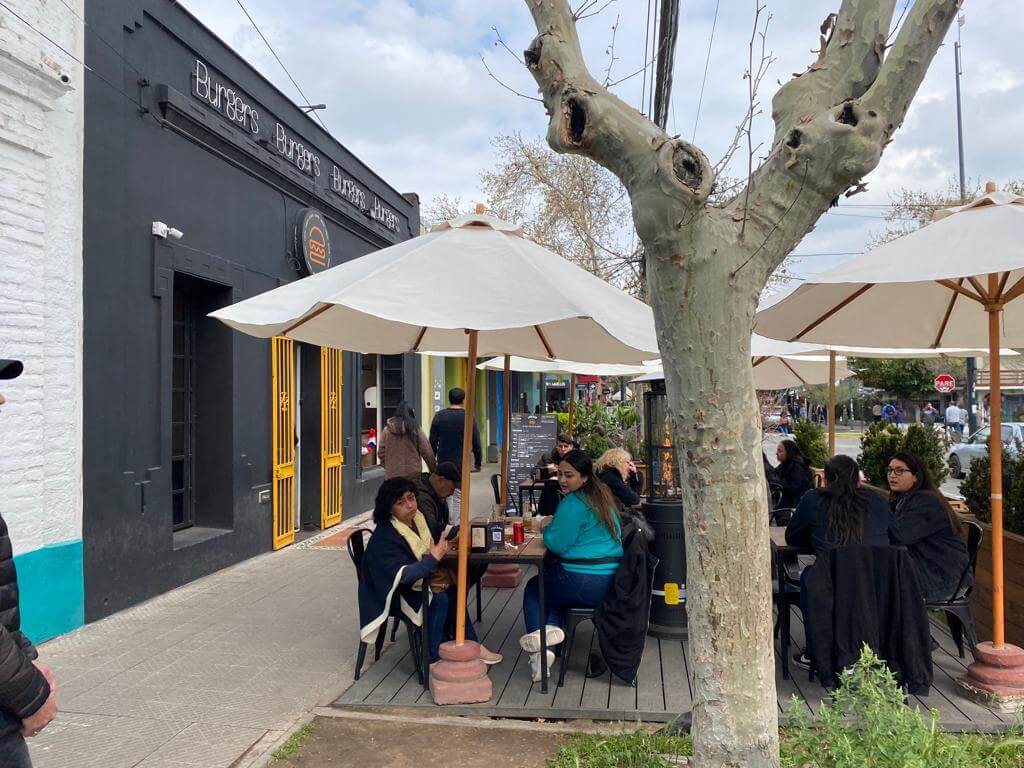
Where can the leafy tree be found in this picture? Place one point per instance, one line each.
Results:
(904, 379)
(882, 441)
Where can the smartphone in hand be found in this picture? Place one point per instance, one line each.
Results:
(453, 532)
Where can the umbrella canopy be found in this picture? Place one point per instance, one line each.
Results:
(475, 272)
(954, 281)
(920, 353)
(926, 289)
(782, 372)
(527, 365)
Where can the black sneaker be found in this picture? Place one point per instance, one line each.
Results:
(802, 660)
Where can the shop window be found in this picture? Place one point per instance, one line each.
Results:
(381, 384)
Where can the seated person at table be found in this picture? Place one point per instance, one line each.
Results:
(587, 538)
(433, 489)
(841, 513)
(551, 495)
(549, 461)
(403, 556)
(793, 474)
(616, 469)
(927, 526)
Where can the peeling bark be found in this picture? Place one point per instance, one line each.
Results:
(706, 268)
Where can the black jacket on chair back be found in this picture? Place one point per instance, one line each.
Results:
(869, 595)
(23, 689)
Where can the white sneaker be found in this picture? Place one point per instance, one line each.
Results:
(535, 665)
(531, 642)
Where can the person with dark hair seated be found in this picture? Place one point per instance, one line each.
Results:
(404, 557)
(793, 474)
(549, 461)
(841, 513)
(925, 523)
(433, 489)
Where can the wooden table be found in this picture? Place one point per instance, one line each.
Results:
(784, 554)
(530, 552)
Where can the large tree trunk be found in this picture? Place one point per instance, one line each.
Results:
(707, 265)
(704, 335)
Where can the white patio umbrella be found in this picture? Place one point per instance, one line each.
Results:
(778, 372)
(954, 281)
(473, 285)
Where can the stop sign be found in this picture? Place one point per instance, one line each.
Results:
(945, 383)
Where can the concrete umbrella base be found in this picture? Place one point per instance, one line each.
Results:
(460, 677)
(501, 576)
(996, 678)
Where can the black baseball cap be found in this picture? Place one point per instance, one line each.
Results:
(449, 471)
(10, 369)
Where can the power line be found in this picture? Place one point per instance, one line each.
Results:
(278, 58)
(704, 80)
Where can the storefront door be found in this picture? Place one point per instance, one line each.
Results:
(331, 443)
(283, 388)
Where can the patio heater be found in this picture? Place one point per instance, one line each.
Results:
(663, 509)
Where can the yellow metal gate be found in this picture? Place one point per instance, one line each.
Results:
(283, 382)
(331, 455)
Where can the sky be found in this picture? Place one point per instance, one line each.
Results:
(406, 89)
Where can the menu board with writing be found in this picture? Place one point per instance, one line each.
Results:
(530, 436)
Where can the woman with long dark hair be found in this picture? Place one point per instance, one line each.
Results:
(840, 514)
(403, 445)
(586, 535)
(925, 523)
(793, 473)
(404, 556)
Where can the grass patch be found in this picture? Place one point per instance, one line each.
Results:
(291, 746)
(638, 749)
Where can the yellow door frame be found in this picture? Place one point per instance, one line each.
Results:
(331, 436)
(283, 389)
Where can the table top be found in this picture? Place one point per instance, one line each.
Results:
(777, 533)
(536, 484)
(531, 550)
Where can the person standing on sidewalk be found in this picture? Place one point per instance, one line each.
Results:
(953, 424)
(28, 692)
(446, 432)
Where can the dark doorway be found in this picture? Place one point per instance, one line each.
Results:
(183, 450)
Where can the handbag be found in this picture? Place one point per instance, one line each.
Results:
(442, 579)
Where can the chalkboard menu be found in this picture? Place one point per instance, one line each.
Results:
(530, 436)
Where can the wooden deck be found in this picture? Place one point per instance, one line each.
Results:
(663, 689)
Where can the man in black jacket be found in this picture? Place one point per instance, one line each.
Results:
(27, 690)
(432, 492)
(446, 432)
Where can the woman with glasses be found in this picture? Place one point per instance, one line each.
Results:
(793, 473)
(840, 514)
(404, 555)
(927, 526)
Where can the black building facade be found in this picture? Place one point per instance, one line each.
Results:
(188, 424)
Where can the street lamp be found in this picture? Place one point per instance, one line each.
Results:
(307, 108)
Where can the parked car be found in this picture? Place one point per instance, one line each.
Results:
(976, 446)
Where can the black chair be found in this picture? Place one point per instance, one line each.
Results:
(356, 548)
(573, 618)
(958, 607)
(496, 487)
(785, 595)
(782, 515)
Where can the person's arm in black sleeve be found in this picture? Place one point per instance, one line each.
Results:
(621, 491)
(798, 532)
(920, 518)
(421, 570)
(636, 484)
(23, 688)
(434, 434)
(478, 454)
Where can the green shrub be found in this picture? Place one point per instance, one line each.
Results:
(598, 427)
(867, 723)
(976, 490)
(881, 441)
(810, 439)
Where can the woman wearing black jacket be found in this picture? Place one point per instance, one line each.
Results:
(793, 474)
(926, 525)
(616, 469)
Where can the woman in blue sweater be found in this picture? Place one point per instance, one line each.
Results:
(586, 535)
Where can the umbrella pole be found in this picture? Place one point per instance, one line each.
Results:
(467, 467)
(506, 419)
(995, 452)
(572, 401)
(831, 403)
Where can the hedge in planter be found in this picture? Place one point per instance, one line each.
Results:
(810, 439)
(882, 441)
(976, 489)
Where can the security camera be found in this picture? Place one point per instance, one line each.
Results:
(161, 230)
(175, 234)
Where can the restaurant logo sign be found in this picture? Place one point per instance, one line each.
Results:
(314, 243)
(945, 383)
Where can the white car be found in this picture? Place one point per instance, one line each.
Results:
(976, 446)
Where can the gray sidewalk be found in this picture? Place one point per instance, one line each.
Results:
(209, 675)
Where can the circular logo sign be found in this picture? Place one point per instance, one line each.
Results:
(945, 383)
(313, 241)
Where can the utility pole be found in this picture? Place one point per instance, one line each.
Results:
(972, 422)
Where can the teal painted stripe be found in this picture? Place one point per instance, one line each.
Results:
(52, 590)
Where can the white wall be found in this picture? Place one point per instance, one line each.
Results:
(41, 134)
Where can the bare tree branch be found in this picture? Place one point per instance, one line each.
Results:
(582, 12)
(610, 50)
(753, 80)
(506, 86)
(501, 41)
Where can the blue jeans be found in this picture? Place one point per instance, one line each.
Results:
(14, 751)
(562, 589)
(441, 621)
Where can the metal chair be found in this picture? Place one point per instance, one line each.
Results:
(356, 549)
(958, 607)
(496, 487)
(573, 618)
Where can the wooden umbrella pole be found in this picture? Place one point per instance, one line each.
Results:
(995, 452)
(572, 401)
(467, 468)
(506, 424)
(831, 403)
